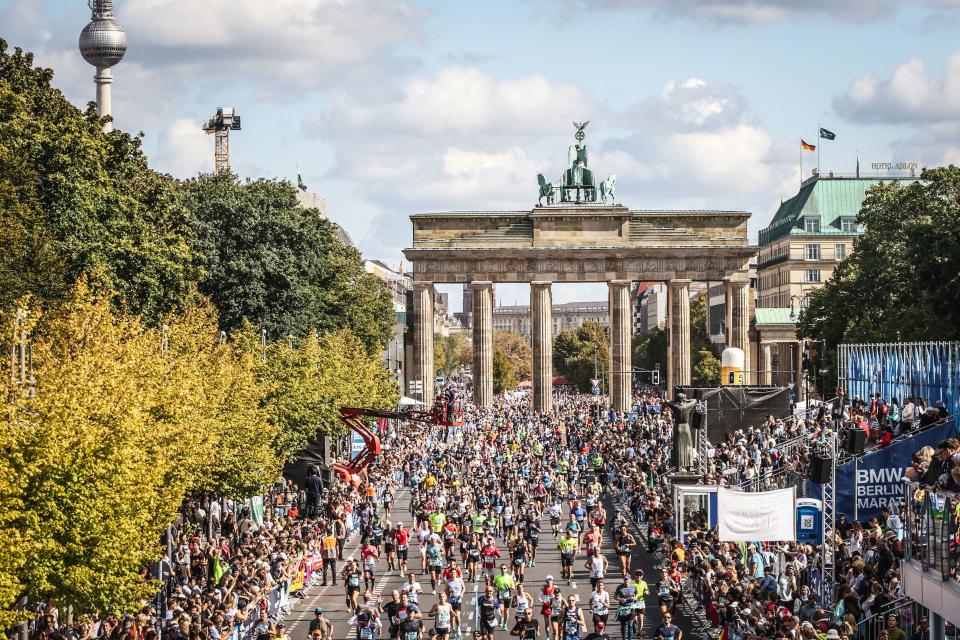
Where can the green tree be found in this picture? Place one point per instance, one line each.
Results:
(578, 353)
(650, 350)
(902, 280)
(449, 352)
(74, 200)
(512, 361)
(283, 267)
(706, 369)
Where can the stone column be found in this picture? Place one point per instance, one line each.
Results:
(423, 329)
(678, 321)
(767, 360)
(482, 343)
(737, 307)
(621, 390)
(541, 333)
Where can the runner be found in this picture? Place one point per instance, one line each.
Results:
(573, 621)
(527, 627)
(640, 607)
(402, 538)
(625, 543)
(504, 584)
(626, 595)
(490, 556)
(599, 607)
(442, 613)
(351, 581)
(454, 593)
(597, 565)
(568, 551)
(487, 607)
(550, 605)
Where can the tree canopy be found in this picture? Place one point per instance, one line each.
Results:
(74, 200)
(282, 267)
(902, 280)
(579, 353)
(512, 361)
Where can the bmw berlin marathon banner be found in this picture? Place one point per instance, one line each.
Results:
(867, 484)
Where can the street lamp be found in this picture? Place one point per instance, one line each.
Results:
(802, 300)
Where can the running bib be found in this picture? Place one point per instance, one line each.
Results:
(354, 581)
(489, 559)
(571, 627)
(366, 633)
(411, 635)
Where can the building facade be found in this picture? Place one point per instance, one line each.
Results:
(568, 315)
(811, 233)
(398, 285)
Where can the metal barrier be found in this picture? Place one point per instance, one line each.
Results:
(932, 529)
(906, 610)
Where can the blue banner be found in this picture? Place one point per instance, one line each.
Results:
(876, 479)
(929, 370)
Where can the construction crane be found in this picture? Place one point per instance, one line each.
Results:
(220, 126)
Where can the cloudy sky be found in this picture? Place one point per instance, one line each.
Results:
(398, 106)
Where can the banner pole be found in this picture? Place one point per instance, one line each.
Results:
(856, 481)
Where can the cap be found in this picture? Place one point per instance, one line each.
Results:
(548, 579)
(318, 610)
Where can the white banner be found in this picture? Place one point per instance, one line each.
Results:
(755, 517)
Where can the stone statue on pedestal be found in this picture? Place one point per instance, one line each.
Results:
(681, 456)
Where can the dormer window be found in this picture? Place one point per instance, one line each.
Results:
(848, 225)
(811, 225)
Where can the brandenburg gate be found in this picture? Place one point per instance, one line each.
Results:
(575, 235)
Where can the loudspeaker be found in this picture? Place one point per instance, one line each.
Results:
(820, 469)
(854, 441)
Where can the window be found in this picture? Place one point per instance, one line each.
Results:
(812, 252)
(848, 224)
(840, 252)
(812, 275)
(811, 225)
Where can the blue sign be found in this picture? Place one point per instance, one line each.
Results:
(356, 444)
(876, 480)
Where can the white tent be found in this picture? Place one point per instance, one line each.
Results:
(408, 402)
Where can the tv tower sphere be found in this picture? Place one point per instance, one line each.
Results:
(102, 42)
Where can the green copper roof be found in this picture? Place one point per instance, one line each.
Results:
(772, 315)
(829, 199)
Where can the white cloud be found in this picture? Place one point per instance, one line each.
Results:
(183, 150)
(765, 11)
(288, 45)
(909, 95)
(925, 108)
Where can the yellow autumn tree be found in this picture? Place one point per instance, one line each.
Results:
(124, 423)
(306, 384)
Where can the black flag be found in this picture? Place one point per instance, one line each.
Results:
(827, 135)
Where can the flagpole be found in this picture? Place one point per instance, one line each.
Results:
(818, 148)
(801, 162)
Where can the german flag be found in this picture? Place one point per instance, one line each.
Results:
(807, 147)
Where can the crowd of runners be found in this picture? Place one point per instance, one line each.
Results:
(463, 515)
(483, 500)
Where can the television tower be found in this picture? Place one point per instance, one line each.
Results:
(220, 125)
(102, 44)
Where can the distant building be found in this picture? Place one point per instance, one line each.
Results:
(649, 306)
(809, 235)
(569, 315)
(398, 285)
